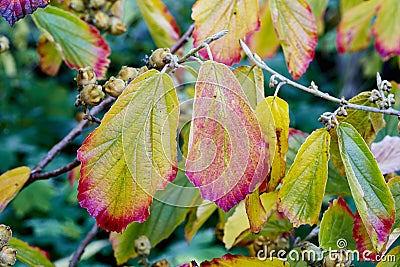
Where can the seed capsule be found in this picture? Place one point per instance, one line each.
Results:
(160, 57)
(128, 73)
(114, 86)
(91, 95)
(5, 235)
(102, 20)
(85, 76)
(142, 246)
(161, 263)
(117, 27)
(8, 256)
(97, 4)
(77, 5)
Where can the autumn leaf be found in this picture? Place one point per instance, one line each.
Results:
(264, 42)
(302, 191)
(229, 260)
(318, 8)
(361, 236)
(370, 192)
(81, 44)
(132, 154)
(50, 57)
(252, 81)
(393, 254)
(336, 225)
(32, 256)
(14, 10)
(297, 32)
(11, 182)
(161, 23)
(255, 211)
(222, 118)
(387, 154)
(239, 17)
(198, 216)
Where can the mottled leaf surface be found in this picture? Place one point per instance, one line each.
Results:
(302, 191)
(224, 171)
(11, 182)
(297, 32)
(370, 192)
(31, 256)
(132, 154)
(229, 260)
(168, 211)
(13, 10)
(50, 56)
(239, 17)
(252, 81)
(81, 43)
(337, 223)
(363, 241)
(161, 23)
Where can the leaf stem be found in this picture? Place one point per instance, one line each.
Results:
(257, 60)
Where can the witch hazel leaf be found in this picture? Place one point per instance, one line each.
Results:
(50, 57)
(297, 32)
(387, 154)
(252, 81)
(222, 118)
(14, 10)
(302, 191)
(370, 192)
(387, 29)
(255, 211)
(81, 44)
(264, 42)
(318, 8)
(238, 17)
(363, 241)
(132, 154)
(31, 256)
(336, 225)
(161, 23)
(11, 182)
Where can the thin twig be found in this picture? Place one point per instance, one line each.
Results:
(202, 45)
(256, 60)
(185, 37)
(69, 137)
(78, 253)
(43, 176)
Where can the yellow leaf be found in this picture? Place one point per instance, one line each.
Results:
(11, 182)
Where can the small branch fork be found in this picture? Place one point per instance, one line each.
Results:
(313, 89)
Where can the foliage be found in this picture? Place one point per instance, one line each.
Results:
(184, 136)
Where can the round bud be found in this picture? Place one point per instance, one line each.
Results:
(77, 5)
(102, 20)
(114, 86)
(8, 256)
(160, 57)
(117, 26)
(5, 235)
(142, 246)
(4, 44)
(128, 73)
(85, 76)
(91, 94)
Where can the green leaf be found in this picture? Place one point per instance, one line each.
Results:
(11, 182)
(32, 256)
(229, 260)
(81, 43)
(336, 227)
(168, 211)
(394, 186)
(347, 4)
(273, 117)
(318, 8)
(304, 185)
(238, 17)
(252, 81)
(370, 192)
(297, 32)
(264, 42)
(198, 216)
(222, 118)
(161, 23)
(132, 154)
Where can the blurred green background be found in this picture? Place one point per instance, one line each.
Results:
(36, 111)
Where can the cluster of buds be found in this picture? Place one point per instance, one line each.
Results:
(104, 14)
(379, 97)
(4, 44)
(266, 245)
(328, 119)
(8, 255)
(92, 94)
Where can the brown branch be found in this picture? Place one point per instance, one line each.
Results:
(185, 37)
(69, 137)
(78, 253)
